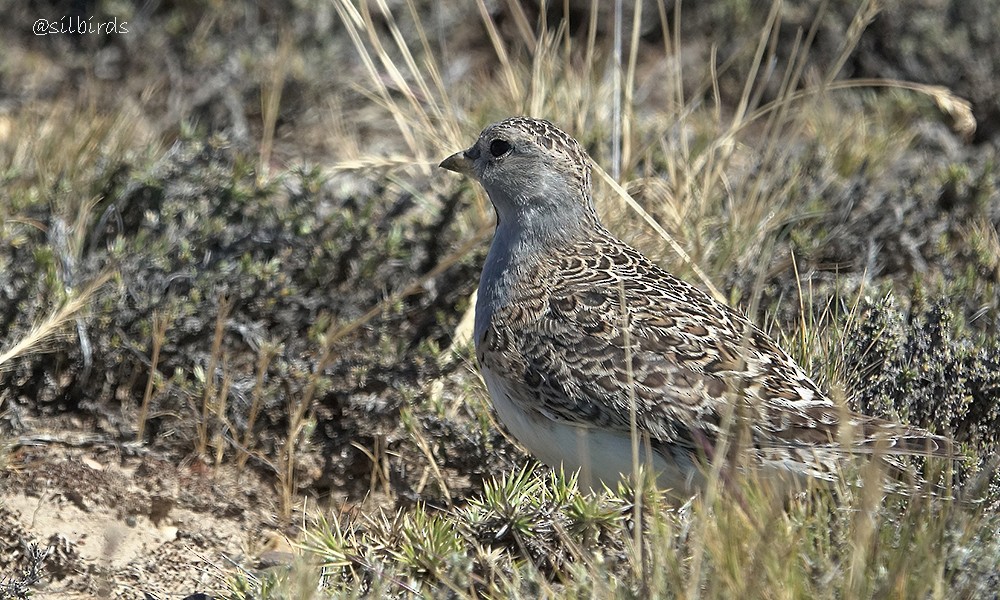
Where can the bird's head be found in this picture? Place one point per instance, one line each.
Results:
(531, 170)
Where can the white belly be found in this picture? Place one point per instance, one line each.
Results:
(602, 457)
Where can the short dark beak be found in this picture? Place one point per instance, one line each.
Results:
(458, 162)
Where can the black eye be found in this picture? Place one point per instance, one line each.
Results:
(498, 148)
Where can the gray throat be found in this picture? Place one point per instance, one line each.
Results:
(519, 245)
(503, 265)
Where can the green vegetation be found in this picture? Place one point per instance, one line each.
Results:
(290, 298)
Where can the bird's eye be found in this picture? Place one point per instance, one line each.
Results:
(499, 147)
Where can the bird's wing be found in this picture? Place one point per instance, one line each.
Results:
(685, 360)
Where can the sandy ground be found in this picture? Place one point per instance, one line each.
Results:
(122, 523)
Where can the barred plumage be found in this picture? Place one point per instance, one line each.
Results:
(576, 332)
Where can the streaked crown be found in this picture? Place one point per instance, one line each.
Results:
(530, 168)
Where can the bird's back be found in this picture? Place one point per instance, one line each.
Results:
(594, 334)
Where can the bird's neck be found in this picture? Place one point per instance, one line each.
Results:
(550, 217)
(521, 246)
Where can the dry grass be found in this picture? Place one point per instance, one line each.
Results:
(738, 539)
(696, 207)
(44, 334)
(160, 325)
(747, 543)
(57, 149)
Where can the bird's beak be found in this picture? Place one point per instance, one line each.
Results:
(458, 162)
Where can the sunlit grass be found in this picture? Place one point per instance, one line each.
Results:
(707, 187)
(717, 186)
(534, 534)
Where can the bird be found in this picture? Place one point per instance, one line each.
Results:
(595, 357)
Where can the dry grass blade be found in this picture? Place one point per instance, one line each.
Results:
(160, 325)
(413, 428)
(221, 402)
(770, 27)
(355, 23)
(501, 51)
(863, 17)
(417, 118)
(37, 339)
(208, 395)
(433, 73)
(270, 99)
(267, 351)
(956, 107)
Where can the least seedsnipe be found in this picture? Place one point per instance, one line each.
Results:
(582, 341)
